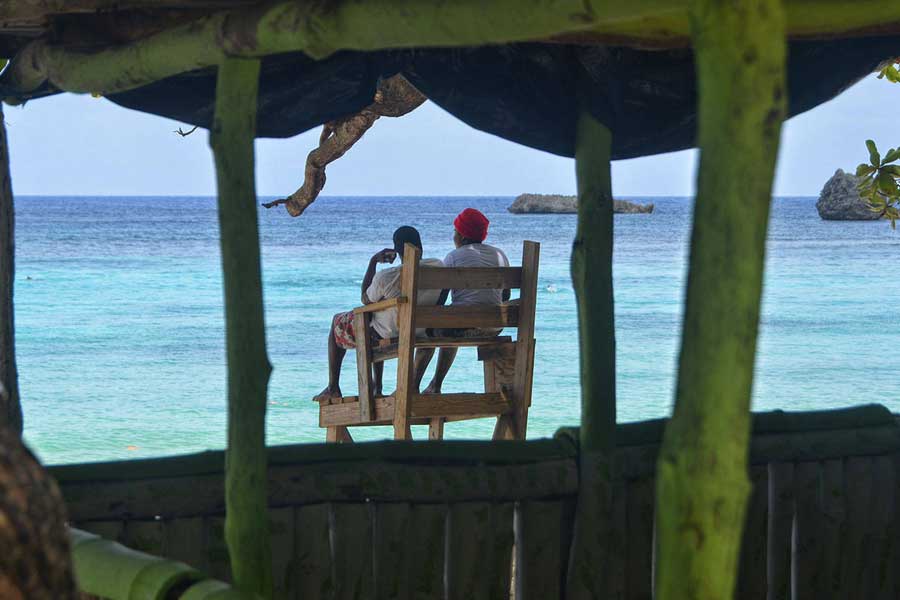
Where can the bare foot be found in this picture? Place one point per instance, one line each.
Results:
(432, 389)
(329, 393)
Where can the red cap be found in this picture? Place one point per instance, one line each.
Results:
(471, 224)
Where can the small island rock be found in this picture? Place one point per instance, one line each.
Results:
(556, 204)
(840, 201)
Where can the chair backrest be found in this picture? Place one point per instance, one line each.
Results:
(518, 314)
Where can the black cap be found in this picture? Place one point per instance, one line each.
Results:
(406, 235)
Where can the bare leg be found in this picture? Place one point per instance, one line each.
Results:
(335, 360)
(423, 358)
(445, 360)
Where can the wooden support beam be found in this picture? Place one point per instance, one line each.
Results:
(246, 523)
(322, 28)
(423, 407)
(702, 482)
(592, 254)
(10, 404)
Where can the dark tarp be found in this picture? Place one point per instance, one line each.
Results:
(522, 92)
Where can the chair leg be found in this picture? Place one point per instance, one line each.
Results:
(436, 428)
(339, 435)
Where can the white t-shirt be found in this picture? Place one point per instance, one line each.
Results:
(386, 285)
(476, 255)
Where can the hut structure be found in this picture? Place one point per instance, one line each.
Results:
(602, 511)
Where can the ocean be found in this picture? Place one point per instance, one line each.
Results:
(119, 317)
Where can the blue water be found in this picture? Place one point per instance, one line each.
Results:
(120, 327)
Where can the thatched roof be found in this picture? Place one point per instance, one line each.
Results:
(524, 91)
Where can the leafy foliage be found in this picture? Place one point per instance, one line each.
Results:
(891, 72)
(879, 182)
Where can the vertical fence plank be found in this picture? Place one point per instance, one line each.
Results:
(312, 553)
(281, 542)
(779, 530)
(895, 528)
(219, 565)
(391, 550)
(501, 540)
(145, 536)
(351, 551)
(858, 491)
(427, 535)
(468, 573)
(807, 554)
(618, 539)
(879, 579)
(186, 541)
(539, 559)
(639, 545)
(834, 516)
(752, 567)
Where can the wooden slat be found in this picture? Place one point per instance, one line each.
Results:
(186, 540)
(639, 545)
(351, 551)
(380, 305)
(879, 583)
(312, 552)
(780, 527)
(476, 405)
(427, 542)
(281, 540)
(752, 567)
(461, 317)
(834, 515)
(364, 368)
(539, 552)
(858, 488)
(618, 565)
(894, 531)
(525, 345)
(388, 351)
(501, 540)
(391, 550)
(110, 530)
(468, 575)
(470, 278)
(219, 565)
(807, 552)
(406, 320)
(145, 536)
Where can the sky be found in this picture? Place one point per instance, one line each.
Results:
(78, 145)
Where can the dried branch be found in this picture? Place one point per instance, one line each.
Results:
(183, 133)
(394, 97)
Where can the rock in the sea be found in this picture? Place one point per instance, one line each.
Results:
(840, 201)
(553, 203)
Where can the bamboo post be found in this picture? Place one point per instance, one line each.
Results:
(231, 138)
(10, 405)
(702, 482)
(592, 254)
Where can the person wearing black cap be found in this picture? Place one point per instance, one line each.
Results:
(376, 286)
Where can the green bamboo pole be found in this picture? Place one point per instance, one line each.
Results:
(702, 483)
(231, 138)
(592, 254)
(322, 28)
(10, 404)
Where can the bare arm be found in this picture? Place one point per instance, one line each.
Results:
(388, 255)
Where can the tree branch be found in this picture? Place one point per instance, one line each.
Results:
(395, 97)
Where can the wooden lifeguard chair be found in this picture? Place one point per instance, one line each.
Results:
(508, 363)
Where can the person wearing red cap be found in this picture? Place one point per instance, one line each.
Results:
(470, 229)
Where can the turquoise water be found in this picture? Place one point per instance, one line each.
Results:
(120, 327)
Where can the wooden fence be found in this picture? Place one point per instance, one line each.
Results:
(442, 519)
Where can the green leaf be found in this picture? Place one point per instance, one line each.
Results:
(892, 169)
(887, 184)
(874, 157)
(864, 170)
(891, 156)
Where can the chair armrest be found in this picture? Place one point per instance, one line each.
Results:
(382, 305)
